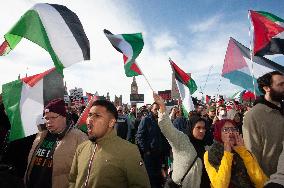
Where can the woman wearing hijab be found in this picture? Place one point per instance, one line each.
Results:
(187, 166)
(196, 134)
(228, 163)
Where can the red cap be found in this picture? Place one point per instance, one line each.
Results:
(56, 106)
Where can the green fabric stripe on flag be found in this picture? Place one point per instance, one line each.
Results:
(270, 16)
(131, 73)
(83, 128)
(184, 112)
(192, 86)
(12, 106)
(31, 27)
(136, 42)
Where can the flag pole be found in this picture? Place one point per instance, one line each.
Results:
(251, 57)
(218, 88)
(209, 71)
(145, 78)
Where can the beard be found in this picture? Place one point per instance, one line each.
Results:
(276, 96)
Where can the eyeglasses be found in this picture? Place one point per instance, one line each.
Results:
(51, 118)
(228, 129)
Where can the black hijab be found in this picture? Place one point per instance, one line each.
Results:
(199, 145)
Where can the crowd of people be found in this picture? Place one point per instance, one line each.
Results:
(213, 146)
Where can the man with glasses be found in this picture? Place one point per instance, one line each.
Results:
(121, 125)
(263, 125)
(106, 160)
(51, 155)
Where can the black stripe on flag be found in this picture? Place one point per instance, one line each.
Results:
(107, 32)
(177, 75)
(75, 26)
(53, 86)
(259, 60)
(275, 46)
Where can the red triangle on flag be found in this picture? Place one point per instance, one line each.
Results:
(264, 30)
(32, 80)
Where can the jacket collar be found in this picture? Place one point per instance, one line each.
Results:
(271, 106)
(106, 138)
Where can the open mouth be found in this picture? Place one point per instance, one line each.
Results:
(89, 128)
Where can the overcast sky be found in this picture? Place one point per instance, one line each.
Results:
(193, 33)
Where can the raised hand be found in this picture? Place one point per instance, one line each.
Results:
(239, 139)
(159, 100)
(227, 144)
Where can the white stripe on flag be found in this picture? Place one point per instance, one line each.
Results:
(56, 28)
(185, 96)
(123, 45)
(31, 106)
(258, 70)
(279, 35)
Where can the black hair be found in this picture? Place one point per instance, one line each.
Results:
(195, 119)
(108, 105)
(152, 105)
(266, 80)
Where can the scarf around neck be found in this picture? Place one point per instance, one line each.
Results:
(239, 175)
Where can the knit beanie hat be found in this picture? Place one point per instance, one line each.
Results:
(218, 128)
(56, 106)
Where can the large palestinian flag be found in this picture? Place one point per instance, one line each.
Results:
(130, 45)
(186, 86)
(24, 100)
(238, 66)
(268, 33)
(56, 29)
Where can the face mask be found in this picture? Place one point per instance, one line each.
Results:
(222, 112)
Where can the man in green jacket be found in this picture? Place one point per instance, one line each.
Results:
(106, 160)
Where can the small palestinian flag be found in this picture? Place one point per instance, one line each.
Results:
(130, 45)
(56, 29)
(268, 33)
(24, 100)
(81, 123)
(186, 86)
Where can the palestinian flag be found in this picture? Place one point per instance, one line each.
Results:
(130, 45)
(186, 86)
(238, 66)
(268, 33)
(81, 123)
(56, 29)
(24, 100)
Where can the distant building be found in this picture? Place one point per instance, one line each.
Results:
(118, 100)
(108, 97)
(134, 89)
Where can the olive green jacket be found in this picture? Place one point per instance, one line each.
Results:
(116, 163)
